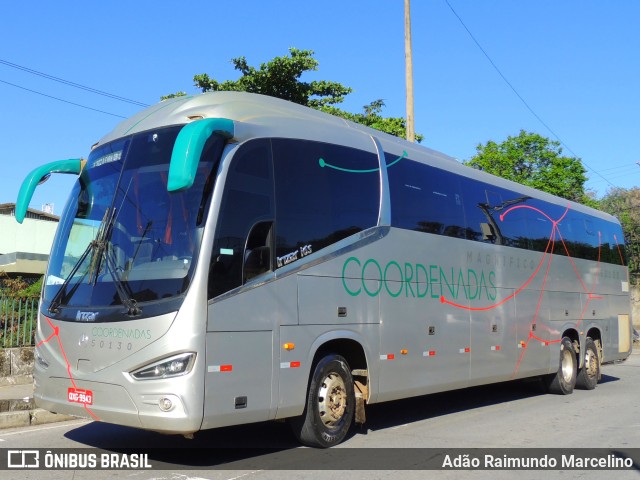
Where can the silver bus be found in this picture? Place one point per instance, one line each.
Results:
(228, 258)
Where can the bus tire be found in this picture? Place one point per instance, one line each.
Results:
(590, 372)
(564, 380)
(330, 405)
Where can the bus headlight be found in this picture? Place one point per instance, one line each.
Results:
(169, 367)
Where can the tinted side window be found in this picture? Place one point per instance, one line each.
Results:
(426, 199)
(480, 220)
(324, 193)
(246, 212)
(512, 212)
(503, 217)
(578, 237)
(614, 238)
(539, 225)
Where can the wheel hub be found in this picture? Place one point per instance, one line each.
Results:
(591, 363)
(332, 399)
(567, 366)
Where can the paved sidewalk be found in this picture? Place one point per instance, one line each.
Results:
(14, 392)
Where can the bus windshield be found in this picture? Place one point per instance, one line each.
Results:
(123, 239)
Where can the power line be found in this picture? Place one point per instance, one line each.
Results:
(628, 166)
(61, 99)
(72, 84)
(518, 94)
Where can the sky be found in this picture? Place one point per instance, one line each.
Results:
(483, 70)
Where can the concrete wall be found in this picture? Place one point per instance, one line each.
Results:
(635, 307)
(16, 362)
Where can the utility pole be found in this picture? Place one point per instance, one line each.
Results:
(408, 56)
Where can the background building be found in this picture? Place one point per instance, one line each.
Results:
(24, 248)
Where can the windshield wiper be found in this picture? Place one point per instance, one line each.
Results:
(99, 248)
(99, 244)
(103, 248)
(56, 301)
(91, 248)
(122, 288)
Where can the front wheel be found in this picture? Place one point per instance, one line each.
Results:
(330, 406)
(564, 380)
(590, 371)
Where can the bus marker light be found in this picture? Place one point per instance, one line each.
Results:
(289, 346)
(495, 348)
(219, 368)
(390, 356)
(465, 350)
(430, 353)
(290, 365)
(404, 351)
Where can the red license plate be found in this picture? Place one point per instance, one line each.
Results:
(78, 395)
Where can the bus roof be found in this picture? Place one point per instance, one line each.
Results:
(257, 116)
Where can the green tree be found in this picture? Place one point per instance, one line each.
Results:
(625, 204)
(536, 161)
(18, 310)
(281, 78)
(372, 117)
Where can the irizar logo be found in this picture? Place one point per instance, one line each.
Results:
(86, 316)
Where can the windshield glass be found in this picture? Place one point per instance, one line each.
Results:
(123, 237)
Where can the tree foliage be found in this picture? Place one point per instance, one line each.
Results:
(536, 161)
(18, 287)
(372, 117)
(281, 78)
(625, 204)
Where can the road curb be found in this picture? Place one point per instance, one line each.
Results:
(40, 416)
(15, 419)
(26, 418)
(16, 380)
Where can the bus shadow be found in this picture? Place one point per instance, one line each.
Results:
(265, 445)
(411, 410)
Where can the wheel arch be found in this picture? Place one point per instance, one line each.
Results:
(345, 343)
(596, 335)
(573, 335)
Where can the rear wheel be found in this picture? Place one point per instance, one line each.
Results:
(590, 371)
(564, 380)
(330, 406)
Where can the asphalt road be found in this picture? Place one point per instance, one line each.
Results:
(514, 415)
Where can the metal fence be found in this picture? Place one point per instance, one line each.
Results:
(18, 320)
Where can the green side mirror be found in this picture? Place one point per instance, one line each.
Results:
(41, 175)
(188, 149)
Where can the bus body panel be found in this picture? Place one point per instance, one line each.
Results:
(76, 358)
(241, 354)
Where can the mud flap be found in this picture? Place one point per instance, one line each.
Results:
(361, 393)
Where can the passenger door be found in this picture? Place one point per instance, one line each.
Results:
(240, 337)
